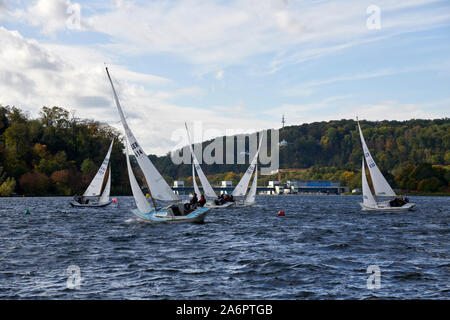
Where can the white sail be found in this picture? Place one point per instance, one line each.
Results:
(194, 182)
(95, 187)
(158, 186)
(368, 199)
(250, 198)
(141, 202)
(381, 186)
(105, 195)
(207, 189)
(241, 188)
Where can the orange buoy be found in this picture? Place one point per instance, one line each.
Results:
(114, 200)
(281, 213)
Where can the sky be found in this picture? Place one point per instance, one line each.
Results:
(226, 67)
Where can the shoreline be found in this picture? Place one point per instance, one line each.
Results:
(437, 194)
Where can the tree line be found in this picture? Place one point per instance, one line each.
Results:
(55, 154)
(412, 154)
(58, 154)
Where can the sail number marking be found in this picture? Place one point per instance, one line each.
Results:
(136, 149)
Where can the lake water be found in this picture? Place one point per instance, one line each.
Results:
(321, 249)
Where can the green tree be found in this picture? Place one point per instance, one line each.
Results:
(88, 167)
(432, 184)
(7, 187)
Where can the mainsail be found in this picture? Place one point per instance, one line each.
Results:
(141, 202)
(105, 195)
(95, 187)
(208, 190)
(250, 198)
(368, 199)
(194, 182)
(241, 188)
(159, 188)
(381, 186)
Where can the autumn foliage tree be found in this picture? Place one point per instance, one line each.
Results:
(34, 183)
(45, 155)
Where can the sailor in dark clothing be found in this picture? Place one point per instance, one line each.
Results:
(192, 204)
(194, 199)
(220, 200)
(202, 201)
(397, 202)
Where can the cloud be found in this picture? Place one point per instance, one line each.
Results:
(306, 89)
(216, 34)
(199, 37)
(4, 9)
(34, 74)
(219, 75)
(51, 15)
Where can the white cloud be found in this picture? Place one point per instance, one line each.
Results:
(215, 34)
(307, 88)
(219, 75)
(51, 15)
(33, 74)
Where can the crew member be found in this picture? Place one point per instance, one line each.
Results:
(202, 201)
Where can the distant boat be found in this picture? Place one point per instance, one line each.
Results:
(157, 186)
(209, 192)
(241, 189)
(93, 197)
(385, 199)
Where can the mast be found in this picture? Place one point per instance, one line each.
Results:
(159, 187)
(208, 190)
(381, 186)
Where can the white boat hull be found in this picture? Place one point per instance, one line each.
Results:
(243, 204)
(212, 205)
(386, 207)
(89, 205)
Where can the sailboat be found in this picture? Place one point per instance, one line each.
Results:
(383, 199)
(157, 187)
(93, 197)
(241, 189)
(209, 192)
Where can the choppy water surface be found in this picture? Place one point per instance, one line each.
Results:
(320, 250)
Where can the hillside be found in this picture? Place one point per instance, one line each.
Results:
(58, 154)
(332, 150)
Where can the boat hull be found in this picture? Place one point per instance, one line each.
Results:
(244, 204)
(75, 204)
(162, 216)
(212, 205)
(387, 208)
